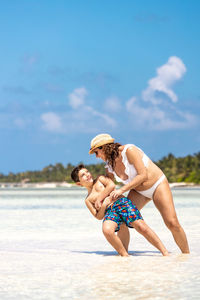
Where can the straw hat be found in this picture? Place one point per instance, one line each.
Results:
(100, 140)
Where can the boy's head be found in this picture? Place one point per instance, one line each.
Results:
(81, 175)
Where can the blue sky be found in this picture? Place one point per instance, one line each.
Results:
(74, 69)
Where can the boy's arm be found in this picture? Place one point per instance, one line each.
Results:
(109, 187)
(99, 214)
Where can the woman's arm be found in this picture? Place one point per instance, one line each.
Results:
(134, 158)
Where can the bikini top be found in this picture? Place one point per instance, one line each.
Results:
(130, 170)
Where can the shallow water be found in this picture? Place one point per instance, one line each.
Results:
(52, 248)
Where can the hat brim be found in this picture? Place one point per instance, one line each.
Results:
(110, 141)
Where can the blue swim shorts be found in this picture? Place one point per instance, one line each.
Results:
(122, 211)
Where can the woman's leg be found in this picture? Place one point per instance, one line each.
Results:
(137, 199)
(150, 235)
(163, 200)
(124, 235)
(109, 232)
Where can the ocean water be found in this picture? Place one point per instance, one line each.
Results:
(52, 248)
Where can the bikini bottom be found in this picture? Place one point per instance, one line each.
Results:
(149, 193)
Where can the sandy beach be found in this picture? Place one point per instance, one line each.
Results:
(52, 248)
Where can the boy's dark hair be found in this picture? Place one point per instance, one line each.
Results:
(75, 171)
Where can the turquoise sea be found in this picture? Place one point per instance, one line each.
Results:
(52, 248)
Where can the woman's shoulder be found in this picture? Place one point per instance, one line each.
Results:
(126, 147)
(130, 151)
(127, 151)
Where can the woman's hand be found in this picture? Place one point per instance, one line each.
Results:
(116, 194)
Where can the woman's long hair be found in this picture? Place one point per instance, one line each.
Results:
(111, 152)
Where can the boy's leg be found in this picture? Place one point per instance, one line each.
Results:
(109, 232)
(150, 235)
(124, 235)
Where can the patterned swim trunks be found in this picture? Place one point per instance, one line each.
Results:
(122, 211)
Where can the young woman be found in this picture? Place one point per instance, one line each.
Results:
(129, 165)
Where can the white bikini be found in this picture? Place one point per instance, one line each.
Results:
(131, 172)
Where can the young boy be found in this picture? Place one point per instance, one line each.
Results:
(114, 213)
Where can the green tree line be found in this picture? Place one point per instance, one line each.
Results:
(180, 169)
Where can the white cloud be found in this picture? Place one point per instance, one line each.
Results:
(109, 121)
(82, 117)
(77, 102)
(51, 121)
(153, 113)
(167, 75)
(77, 97)
(112, 104)
(155, 118)
(143, 115)
(145, 112)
